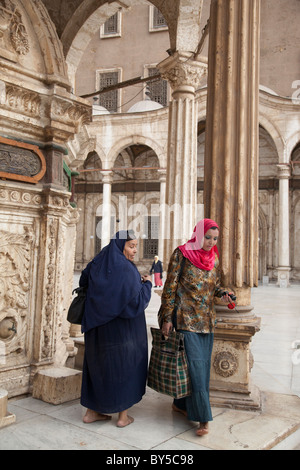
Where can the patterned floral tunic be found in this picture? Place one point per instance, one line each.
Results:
(193, 295)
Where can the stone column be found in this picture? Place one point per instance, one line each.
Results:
(231, 157)
(284, 268)
(106, 208)
(162, 207)
(231, 187)
(184, 75)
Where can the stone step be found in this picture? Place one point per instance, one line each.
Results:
(57, 385)
(6, 418)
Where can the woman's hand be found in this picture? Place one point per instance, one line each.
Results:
(147, 278)
(167, 328)
(226, 298)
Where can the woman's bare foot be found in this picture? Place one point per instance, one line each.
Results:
(92, 416)
(202, 430)
(175, 408)
(124, 419)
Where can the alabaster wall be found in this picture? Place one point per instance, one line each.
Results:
(36, 261)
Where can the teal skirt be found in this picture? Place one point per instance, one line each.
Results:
(198, 348)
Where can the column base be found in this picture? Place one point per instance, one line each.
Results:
(232, 360)
(283, 276)
(250, 401)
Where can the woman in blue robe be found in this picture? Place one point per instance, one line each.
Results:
(114, 327)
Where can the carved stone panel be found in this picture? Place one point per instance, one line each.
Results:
(225, 363)
(15, 273)
(20, 161)
(13, 33)
(37, 246)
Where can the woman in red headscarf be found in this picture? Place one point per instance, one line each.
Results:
(187, 303)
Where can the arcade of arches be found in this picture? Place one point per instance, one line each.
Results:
(218, 136)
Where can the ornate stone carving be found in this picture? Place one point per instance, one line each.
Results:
(56, 56)
(71, 113)
(180, 70)
(17, 196)
(50, 291)
(22, 162)
(225, 363)
(15, 259)
(23, 100)
(12, 29)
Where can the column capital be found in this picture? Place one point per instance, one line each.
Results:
(284, 170)
(107, 176)
(162, 174)
(183, 72)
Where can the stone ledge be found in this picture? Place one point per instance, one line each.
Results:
(57, 385)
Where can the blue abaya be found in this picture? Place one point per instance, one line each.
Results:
(116, 347)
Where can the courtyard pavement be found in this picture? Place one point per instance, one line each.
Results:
(157, 429)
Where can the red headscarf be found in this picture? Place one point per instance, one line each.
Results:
(193, 248)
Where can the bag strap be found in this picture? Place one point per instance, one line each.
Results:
(79, 290)
(174, 316)
(181, 268)
(174, 311)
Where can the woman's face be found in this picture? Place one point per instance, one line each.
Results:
(210, 239)
(130, 249)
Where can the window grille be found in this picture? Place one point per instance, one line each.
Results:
(158, 19)
(109, 99)
(151, 242)
(158, 89)
(111, 25)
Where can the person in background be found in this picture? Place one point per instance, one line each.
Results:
(187, 303)
(114, 326)
(158, 270)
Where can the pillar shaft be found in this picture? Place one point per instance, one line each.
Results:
(184, 75)
(231, 189)
(162, 179)
(106, 209)
(283, 226)
(231, 157)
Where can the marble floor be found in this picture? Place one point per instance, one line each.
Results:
(276, 357)
(276, 372)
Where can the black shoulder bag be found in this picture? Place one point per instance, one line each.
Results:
(76, 309)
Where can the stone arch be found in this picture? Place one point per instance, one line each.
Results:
(85, 147)
(89, 15)
(279, 141)
(125, 142)
(295, 160)
(84, 23)
(268, 155)
(292, 143)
